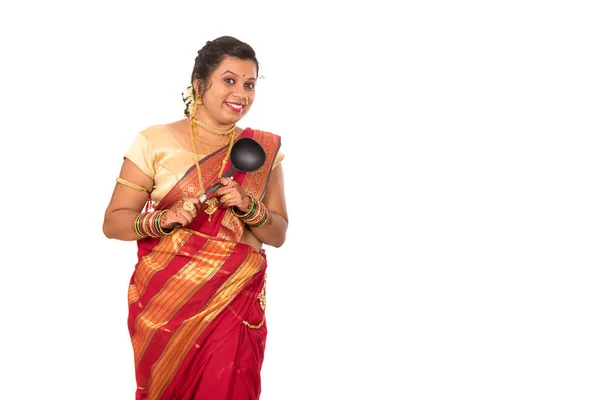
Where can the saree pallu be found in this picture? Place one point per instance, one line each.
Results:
(197, 298)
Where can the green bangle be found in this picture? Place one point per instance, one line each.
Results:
(264, 221)
(136, 226)
(158, 227)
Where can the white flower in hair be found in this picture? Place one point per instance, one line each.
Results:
(188, 99)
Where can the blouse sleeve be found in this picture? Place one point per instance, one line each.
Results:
(140, 153)
(280, 156)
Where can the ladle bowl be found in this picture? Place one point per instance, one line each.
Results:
(247, 155)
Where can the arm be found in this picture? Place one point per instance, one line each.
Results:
(127, 203)
(273, 232)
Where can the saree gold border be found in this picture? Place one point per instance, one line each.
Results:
(256, 182)
(188, 185)
(234, 227)
(178, 347)
(155, 261)
(176, 292)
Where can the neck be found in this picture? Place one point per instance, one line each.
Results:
(215, 131)
(202, 119)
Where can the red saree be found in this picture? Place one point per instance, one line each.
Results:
(196, 298)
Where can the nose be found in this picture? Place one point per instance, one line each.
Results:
(241, 94)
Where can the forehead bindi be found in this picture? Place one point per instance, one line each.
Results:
(245, 69)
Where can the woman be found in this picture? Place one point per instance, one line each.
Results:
(197, 295)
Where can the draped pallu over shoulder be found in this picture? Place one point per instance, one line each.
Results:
(196, 295)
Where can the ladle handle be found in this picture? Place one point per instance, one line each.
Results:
(227, 174)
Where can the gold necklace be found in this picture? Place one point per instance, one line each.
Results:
(203, 144)
(212, 204)
(213, 130)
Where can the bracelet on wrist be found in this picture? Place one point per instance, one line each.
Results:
(136, 227)
(264, 221)
(247, 214)
(148, 225)
(161, 230)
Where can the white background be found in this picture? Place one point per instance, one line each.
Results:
(441, 175)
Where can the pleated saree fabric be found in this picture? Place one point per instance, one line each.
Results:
(197, 297)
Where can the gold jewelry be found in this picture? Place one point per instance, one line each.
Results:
(250, 211)
(136, 226)
(213, 130)
(202, 144)
(131, 185)
(212, 205)
(187, 206)
(246, 96)
(198, 100)
(262, 301)
(226, 158)
(258, 326)
(226, 196)
(193, 132)
(159, 221)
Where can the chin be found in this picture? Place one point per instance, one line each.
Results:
(232, 120)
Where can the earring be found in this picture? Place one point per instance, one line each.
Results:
(198, 100)
(246, 96)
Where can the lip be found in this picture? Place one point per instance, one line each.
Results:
(232, 107)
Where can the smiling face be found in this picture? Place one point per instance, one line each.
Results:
(229, 93)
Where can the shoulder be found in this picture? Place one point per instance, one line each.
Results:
(271, 142)
(154, 132)
(266, 136)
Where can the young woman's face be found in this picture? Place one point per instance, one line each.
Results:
(230, 92)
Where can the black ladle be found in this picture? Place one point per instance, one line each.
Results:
(246, 155)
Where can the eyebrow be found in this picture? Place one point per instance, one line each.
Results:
(231, 72)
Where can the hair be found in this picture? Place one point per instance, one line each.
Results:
(210, 56)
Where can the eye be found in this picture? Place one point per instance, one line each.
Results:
(249, 85)
(229, 80)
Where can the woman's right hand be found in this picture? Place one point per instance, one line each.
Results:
(181, 214)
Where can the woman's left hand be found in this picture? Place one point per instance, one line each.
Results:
(231, 194)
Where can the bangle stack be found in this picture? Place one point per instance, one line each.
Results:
(148, 225)
(257, 216)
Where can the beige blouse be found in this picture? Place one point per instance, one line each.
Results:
(160, 156)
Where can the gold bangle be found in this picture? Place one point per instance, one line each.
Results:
(131, 185)
(264, 221)
(136, 226)
(258, 215)
(159, 228)
(252, 209)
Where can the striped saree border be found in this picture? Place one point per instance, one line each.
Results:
(184, 339)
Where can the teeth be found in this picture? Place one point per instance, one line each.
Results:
(238, 106)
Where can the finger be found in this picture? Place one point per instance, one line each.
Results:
(228, 203)
(225, 190)
(193, 200)
(177, 222)
(227, 197)
(191, 211)
(187, 217)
